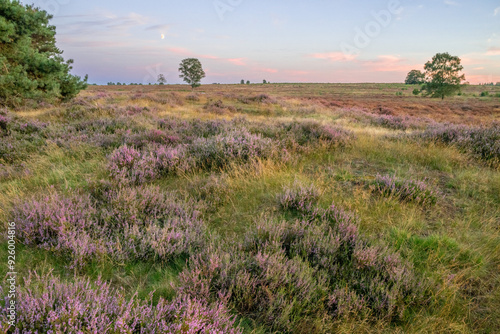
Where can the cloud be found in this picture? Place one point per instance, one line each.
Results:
(496, 11)
(209, 57)
(451, 3)
(161, 27)
(493, 51)
(100, 25)
(237, 61)
(179, 51)
(297, 72)
(388, 63)
(267, 70)
(334, 56)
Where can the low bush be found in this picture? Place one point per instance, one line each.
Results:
(299, 198)
(46, 304)
(481, 142)
(125, 224)
(405, 190)
(218, 107)
(288, 275)
(237, 145)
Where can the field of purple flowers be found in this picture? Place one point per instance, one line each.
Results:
(158, 210)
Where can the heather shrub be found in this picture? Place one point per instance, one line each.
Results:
(405, 190)
(20, 138)
(171, 99)
(190, 130)
(60, 224)
(261, 98)
(288, 275)
(481, 142)
(125, 224)
(266, 286)
(218, 107)
(393, 122)
(237, 145)
(152, 225)
(193, 97)
(128, 165)
(212, 191)
(300, 135)
(46, 304)
(298, 197)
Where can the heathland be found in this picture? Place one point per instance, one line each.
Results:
(287, 208)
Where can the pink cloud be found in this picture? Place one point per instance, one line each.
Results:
(389, 63)
(477, 79)
(297, 73)
(209, 57)
(334, 56)
(493, 52)
(268, 70)
(237, 61)
(180, 51)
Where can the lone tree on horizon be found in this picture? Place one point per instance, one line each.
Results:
(31, 65)
(161, 79)
(415, 77)
(191, 72)
(443, 75)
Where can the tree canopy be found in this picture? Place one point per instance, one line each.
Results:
(415, 77)
(191, 71)
(31, 66)
(443, 75)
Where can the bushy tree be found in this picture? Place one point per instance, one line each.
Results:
(191, 71)
(31, 66)
(161, 79)
(443, 75)
(415, 77)
(242, 82)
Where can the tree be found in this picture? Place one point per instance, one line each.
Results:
(242, 82)
(442, 75)
(248, 82)
(415, 77)
(161, 79)
(264, 81)
(31, 66)
(191, 71)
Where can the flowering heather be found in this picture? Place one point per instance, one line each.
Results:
(298, 198)
(481, 142)
(127, 164)
(193, 129)
(171, 99)
(20, 138)
(236, 145)
(394, 122)
(47, 304)
(126, 224)
(131, 166)
(319, 267)
(218, 107)
(3, 123)
(300, 135)
(405, 190)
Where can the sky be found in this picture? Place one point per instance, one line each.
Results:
(337, 41)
